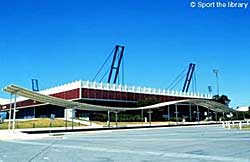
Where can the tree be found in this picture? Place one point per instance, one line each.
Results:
(223, 99)
(148, 101)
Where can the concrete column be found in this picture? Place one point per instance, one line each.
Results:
(176, 114)
(34, 112)
(108, 122)
(142, 118)
(229, 125)
(9, 126)
(168, 113)
(216, 116)
(208, 114)
(198, 113)
(72, 117)
(66, 118)
(116, 117)
(14, 115)
(149, 117)
(240, 125)
(223, 124)
(190, 112)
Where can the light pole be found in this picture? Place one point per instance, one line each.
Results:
(149, 116)
(216, 71)
(210, 90)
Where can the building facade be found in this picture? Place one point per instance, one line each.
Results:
(99, 94)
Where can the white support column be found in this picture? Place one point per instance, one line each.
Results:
(116, 118)
(198, 114)
(14, 115)
(176, 114)
(208, 114)
(223, 124)
(9, 125)
(72, 117)
(216, 116)
(240, 125)
(34, 112)
(108, 122)
(66, 118)
(229, 125)
(190, 112)
(142, 118)
(149, 116)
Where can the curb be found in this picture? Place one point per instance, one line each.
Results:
(112, 128)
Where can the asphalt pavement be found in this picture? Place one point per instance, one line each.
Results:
(179, 144)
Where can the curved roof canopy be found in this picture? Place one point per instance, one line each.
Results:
(14, 89)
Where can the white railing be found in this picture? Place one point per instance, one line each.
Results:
(138, 89)
(235, 123)
(62, 88)
(123, 88)
(116, 87)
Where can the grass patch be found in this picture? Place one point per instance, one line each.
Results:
(244, 127)
(40, 123)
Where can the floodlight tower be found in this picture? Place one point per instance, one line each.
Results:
(216, 71)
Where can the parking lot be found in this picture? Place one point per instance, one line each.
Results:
(185, 144)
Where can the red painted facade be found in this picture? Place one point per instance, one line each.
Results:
(98, 95)
(68, 95)
(125, 96)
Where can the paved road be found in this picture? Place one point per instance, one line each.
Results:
(184, 144)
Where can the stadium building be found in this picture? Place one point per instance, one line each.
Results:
(106, 94)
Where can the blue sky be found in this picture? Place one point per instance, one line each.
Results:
(61, 41)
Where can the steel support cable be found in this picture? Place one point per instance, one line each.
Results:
(105, 74)
(123, 70)
(192, 84)
(195, 83)
(109, 67)
(178, 81)
(106, 60)
(177, 78)
(193, 80)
